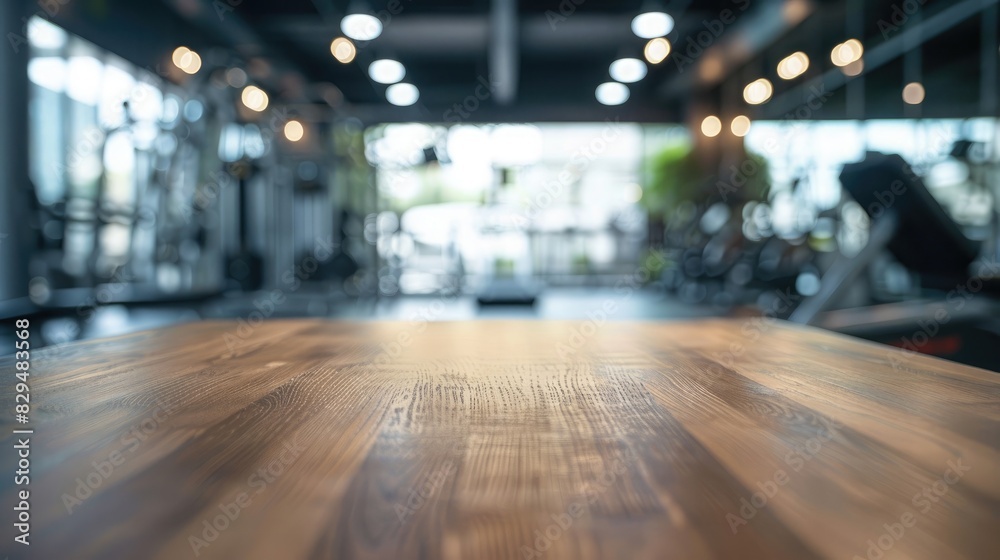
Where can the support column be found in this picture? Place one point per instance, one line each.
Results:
(16, 236)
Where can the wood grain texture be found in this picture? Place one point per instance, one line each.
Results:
(507, 439)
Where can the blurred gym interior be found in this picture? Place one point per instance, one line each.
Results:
(829, 162)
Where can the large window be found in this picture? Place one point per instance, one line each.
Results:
(556, 202)
(116, 155)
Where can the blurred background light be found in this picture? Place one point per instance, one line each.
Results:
(793, 66)
(187, 60)
(386, 71)
(652, 24)
(740, 125)
(294, 131)
(627, 70)
(402, 94)
(758, 91)
(846, 52)
(254, 98)
(913, 93)
(656, 50)
(343, 50)
(711, 126)
(612, 93)
(854, 69)
(361, 27)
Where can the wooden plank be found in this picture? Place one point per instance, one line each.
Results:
(507, 439)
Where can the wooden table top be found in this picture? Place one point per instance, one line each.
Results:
(506, 439)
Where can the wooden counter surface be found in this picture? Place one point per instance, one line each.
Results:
(504, 439)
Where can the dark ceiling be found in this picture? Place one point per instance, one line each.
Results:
(447, 49)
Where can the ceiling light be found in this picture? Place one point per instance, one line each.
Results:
(758, 91)
(628, 70)
(740, 125)
(652, 24)
(386, 71)
(343, 49)
(178, 55)
(854, 68)
(361, 27)
(612, 93)
(846, 52)
(913, 93)
(793, 66)
(402, 94)
(294, 131)
(186, 59)
(657, 50)
(711, 126)
(254, 98)
(192, 63)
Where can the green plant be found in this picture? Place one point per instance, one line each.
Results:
(675, 176)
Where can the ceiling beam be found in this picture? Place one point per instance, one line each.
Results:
(750, 34)
(373, 113)
(504, 56)
(911, 37)
(223, 20)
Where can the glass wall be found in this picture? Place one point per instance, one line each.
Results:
(467, 203)
(117, 154)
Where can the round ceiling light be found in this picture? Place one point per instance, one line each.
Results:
(711, 126)
(386, 71)
(361, 27)
(652, 24)
(254, 98)
(627, 70)
(793, 66)
(612, 93)
(657, 50)
(758, 91)
(343, 49)
(402, 94)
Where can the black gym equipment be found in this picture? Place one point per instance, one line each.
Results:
(909, 223)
